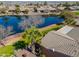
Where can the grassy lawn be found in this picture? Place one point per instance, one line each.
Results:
(51, 27)
(7, 51)
(77, 13)
(45, 30)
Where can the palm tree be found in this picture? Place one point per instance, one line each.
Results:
(17, 10)
(68, 17)
(32, 36)
(19, 45)
(32, 33)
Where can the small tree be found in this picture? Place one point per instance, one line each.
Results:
(45, 3)
(68, 17)
(77, 3)
(32, 34)
(16, 5)
(26, 11)
(35, 9)
(38, 5)
(32, 37)
(19, 45)
(17, 10)
(66, 4)
(1, 3)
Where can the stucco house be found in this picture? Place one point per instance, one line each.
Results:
(61, 8)
(61, 43)
(46, 9)
(74, 8)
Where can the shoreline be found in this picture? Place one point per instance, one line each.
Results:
(16, 37)
(11, 39)
(32, 14)
(47, 27)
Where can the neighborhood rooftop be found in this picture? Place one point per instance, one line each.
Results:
(62, 43)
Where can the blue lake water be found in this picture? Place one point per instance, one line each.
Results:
(18, 24)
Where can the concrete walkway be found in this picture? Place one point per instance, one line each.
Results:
(11, 39)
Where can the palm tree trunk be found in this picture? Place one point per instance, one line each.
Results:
(37, 49)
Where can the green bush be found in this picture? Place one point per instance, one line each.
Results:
(19, 45)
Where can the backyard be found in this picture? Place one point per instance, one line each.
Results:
(24, 29)
(8, 50)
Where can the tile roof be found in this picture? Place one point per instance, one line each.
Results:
(63, 43)
(74, 33)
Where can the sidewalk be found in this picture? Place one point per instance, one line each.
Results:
(11, 39)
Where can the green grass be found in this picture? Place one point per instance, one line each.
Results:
(77, 13)
(7, 50)
(52, 28)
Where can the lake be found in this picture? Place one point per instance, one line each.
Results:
(18, 24)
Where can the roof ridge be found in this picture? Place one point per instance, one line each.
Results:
(63, 35)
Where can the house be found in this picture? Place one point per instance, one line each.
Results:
(46, 9)
(61, 43)
(61, 8)
(74, 8)
(11, 9)
(3, 9)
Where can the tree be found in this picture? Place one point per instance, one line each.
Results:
(19, 45)
(70, 22)
(38, 5)
(16, 5)
(35, 9)
(1, 3)
(67, 5)
(59, 5)
(32, 36)
(26, 11)
(17, 10)
(45, 3)
(68, 17)
(67, 14)
(77, 3)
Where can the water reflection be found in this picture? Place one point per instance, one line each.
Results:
(15, 24)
